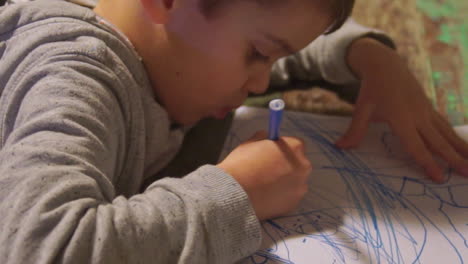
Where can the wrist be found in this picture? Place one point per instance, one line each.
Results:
(368, 57)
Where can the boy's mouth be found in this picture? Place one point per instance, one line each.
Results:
(222, 113)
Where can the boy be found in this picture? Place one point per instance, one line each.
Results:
(95, 102)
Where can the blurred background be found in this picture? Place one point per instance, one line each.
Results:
(432, 35)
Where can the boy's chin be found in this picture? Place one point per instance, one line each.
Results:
(186, 120)
(193, 120)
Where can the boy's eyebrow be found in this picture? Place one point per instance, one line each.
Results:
(283, 44)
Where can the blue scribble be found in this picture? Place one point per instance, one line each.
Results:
(378, 216)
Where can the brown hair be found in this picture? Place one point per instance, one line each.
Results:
(339, 9)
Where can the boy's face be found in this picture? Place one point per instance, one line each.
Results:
(206, 67)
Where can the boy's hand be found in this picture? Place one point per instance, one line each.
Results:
(390, 93)
(273, 173)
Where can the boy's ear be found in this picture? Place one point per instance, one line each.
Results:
(158, 10)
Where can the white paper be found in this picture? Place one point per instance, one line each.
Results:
(368, 205)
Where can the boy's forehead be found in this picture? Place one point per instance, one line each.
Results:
(289, 28)
(339, 10)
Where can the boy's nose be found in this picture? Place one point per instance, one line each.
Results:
(258, 83)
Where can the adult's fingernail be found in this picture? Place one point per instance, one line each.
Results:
(339, 143)
(463, 171)
(435, 174)
(438, 179)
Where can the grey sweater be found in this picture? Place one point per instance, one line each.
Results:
(80, 131)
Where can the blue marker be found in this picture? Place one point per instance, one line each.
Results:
(276, 111)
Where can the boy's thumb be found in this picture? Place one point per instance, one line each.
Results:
(358, 127)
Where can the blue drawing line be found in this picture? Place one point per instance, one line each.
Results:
(373, 212)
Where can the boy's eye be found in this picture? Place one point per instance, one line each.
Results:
(256, 55)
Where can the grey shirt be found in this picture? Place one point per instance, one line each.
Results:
(80, 131)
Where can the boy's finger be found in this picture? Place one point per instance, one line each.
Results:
(296, 143)
(413, 143)
(358, 127)
(447, 131)
(439, 145)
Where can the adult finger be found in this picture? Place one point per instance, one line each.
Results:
(358, 127)
(439, 145)
(447, 131)
(415, 146)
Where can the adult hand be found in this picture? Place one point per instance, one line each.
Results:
(390, 93)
